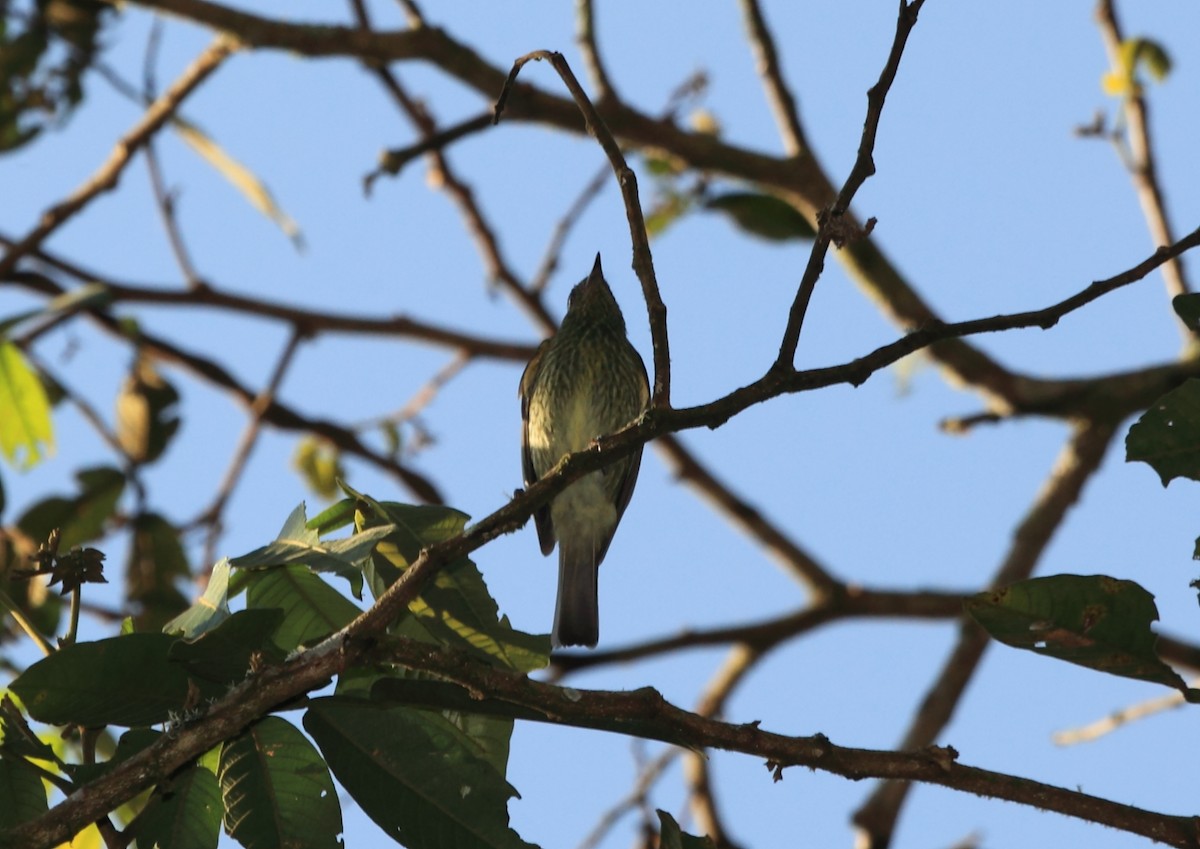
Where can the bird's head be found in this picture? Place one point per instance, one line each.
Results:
(592, 300)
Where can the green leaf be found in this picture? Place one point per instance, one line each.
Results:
(131, 743)
(1122, 79)
(25, 428)
(81, 518)
(241, 177)
(485, 733)
(669, 206)
(184, 812)
(223, 655)
(17, 738)
(156, 561)
(414, 774)
(454, 607)
(334, 517)
(672, 837)
(277, 790)
(1138, 52)
(46, 50)
(311, 608)
(320, 464)
(1167, 436)
(209, 611)
(762, 215)
(1187, 307)
(118, 681)
(1091, 620)
(147, 415)
(297, 543)
(22, 791)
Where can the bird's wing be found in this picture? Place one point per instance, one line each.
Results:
(541, 516)
(629, 480)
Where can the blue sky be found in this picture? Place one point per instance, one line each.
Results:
(984, 199)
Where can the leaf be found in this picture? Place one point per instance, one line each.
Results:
(224, 655)
(81, 518)
(184, 812)
(670, 836)
(763, 215)
(1091, 620)
(336, 516)
(46, 50)
(414, 775)
(669, 206)
(277, 790)
(146, 413)
(132, 741)
(25, 428)
(118, 681)
(1122, 80)
(1138, 52)
(242, 178)
(454, 607)
(1187, 307)
(486, 733)
(320, 464)
(1167, 436)
(297, 543)
(209, 611)
(156, 561)
(311, 608)
(17, 738)
(22, 792)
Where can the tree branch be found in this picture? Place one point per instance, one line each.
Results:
(107, 176)
(1080, 458)
(643, 261)
(1142, 167)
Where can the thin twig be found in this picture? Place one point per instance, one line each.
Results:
(562, 229)
(1141, 160)
(441, 174)
(647, 777)
(697, 768)
(107, 176)
(1116, 719)
(393, 161)
(585, 37)
(850, 603)
(164, 199)
(25, 623)
(1078, 461)
(779, 95)
(310, 320)
(92, 416)
(832, 225)
(212, 515)
(745, 516)
(643, 261)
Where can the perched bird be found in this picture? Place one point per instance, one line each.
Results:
(584, 382)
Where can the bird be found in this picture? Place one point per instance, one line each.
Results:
(584, 382)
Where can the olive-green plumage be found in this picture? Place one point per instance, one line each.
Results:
(584, 382)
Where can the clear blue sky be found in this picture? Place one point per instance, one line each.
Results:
(984, 199)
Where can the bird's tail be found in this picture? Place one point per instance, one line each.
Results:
(577, 613)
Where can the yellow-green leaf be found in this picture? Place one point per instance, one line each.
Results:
(242, 178)
(25, 428)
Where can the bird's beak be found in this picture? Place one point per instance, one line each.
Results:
(597, 271)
